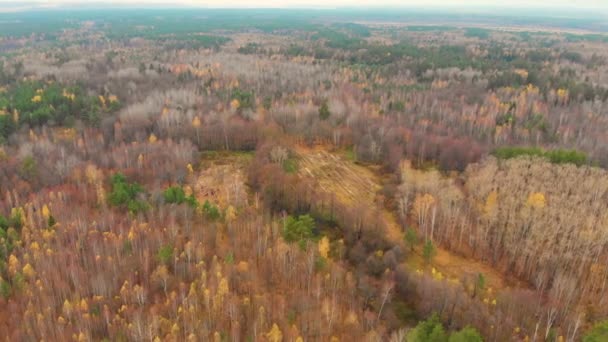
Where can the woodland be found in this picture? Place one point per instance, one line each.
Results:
(279, 176)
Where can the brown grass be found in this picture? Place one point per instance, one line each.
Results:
(355, 184)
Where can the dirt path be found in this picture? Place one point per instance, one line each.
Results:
(357, 184)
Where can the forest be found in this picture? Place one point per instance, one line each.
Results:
(279, 175)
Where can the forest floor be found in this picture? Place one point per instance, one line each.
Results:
(222, 178)
(356, 184)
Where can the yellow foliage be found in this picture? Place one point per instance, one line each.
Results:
(196, 122)
(490, 205)
(299, 339)
(18, 212)
(131, 234)
(422, 203)
(235, 104)
(190, 169)
(92, 173)
(522, 72)
(152, 139)
(102, 100)
(28, 271)
(112, 98)
(13, 264)
(536, 200)
(36, 98)
(230, 214)
(84, 306)
(46, 212)
(275, 334)
(67, 307)
(48, 234)
(437, 275)
(68, 95)
(223, 287)
(324, 247)
(351, 318)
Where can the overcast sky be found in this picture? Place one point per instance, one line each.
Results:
(600, 6)
(329, 3)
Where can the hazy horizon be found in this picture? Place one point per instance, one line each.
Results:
(313, 4)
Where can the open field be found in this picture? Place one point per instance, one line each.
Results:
(355, 184)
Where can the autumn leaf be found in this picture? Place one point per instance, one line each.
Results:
(324, 247)
(275, 334)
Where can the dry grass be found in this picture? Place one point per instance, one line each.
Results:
(221, 179)
(352, 184)
(355, 184)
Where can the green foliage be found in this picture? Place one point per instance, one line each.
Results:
(176, 195)
(290, 165)
(250, 49)
(5, 289)
(320, 264)
(566, 156)
(411, 238)
(467, 334)
(165, 254)
(229, 259)
(431, 330)
(324, 112)
(125, 194)
(298, 229)
(429, 251)
(339, 40)
(474, 32)
(211, 211)
(481, 282)
(40, 103)
(558, 156)
(599, 333)
(127, 247)
(51, 221)
(246, 98)
(29, 168)
(16, 220)
(191, 41)
(3, 224)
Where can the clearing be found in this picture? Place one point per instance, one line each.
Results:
(357, 184)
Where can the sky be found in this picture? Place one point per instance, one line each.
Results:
(581, 4)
